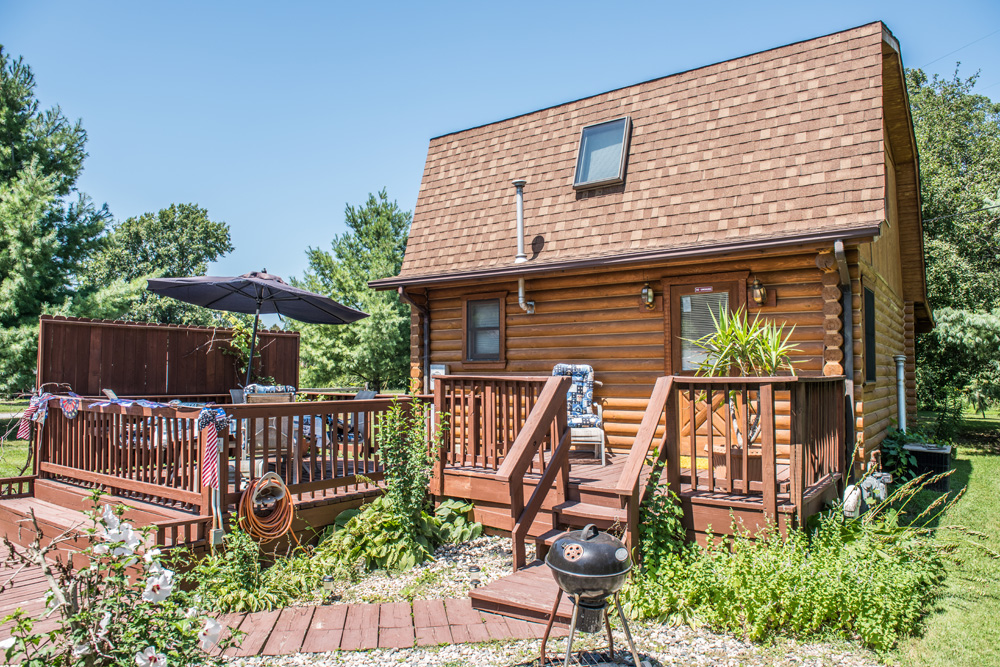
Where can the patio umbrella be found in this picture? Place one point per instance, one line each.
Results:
(256, 292)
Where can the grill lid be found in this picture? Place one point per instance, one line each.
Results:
(589, 553)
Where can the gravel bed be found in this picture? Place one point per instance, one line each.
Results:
(660, 646)
(446, 576)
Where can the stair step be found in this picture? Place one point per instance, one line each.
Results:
(580, 514)
(549, 537)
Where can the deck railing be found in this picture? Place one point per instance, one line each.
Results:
(484, 417)
(770, 438)
(138, 452)
(156, 454)
(314, 446)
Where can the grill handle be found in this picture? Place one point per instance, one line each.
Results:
(589, 532)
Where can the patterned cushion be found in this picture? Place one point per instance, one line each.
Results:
(268, 389)
(580, 397)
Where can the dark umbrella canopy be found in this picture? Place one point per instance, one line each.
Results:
(255, 293)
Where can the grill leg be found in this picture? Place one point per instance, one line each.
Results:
(611, 639)
(628, 633)
(572, 629)
(548, 626)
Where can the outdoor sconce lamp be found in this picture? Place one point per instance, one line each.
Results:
(647, 296)
(758, 292)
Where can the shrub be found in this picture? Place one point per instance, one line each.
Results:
(751, 348)
(235, 579)
(870, 579)
(124, 608)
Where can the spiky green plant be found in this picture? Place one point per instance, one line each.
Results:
(751, 348)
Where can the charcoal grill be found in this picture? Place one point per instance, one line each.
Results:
(590, 567)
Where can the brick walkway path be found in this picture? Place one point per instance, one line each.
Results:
(350, 627)
(327, 628)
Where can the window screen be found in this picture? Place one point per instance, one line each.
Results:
(869, 316)
(601, 159)
(483, 330)
(696, 321)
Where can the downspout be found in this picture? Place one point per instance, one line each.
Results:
(520, 257)
(425, 313)
(847, 332)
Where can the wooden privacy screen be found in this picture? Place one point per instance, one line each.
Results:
(156, 360)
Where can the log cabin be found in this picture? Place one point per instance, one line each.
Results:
(601, 231)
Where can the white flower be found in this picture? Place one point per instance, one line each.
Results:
(151, 555)
(103, 626)
(209, 635)
(7, 643)
(150, 658)
(101, 549)
(110, 520)
(191, 612)
(126, 538)
(158, 587)
(81, 650)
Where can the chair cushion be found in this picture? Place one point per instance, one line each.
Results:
(580, 397)
(583, 421)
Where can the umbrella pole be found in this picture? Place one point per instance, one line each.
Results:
(253, 343)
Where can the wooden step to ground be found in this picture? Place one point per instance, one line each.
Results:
(53, 520)
(580, 514)
(528, 594)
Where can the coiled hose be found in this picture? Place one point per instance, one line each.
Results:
(262, 524)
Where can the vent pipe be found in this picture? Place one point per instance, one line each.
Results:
(900, 360)
(520, 256)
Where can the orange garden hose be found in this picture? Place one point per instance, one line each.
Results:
(276, 523)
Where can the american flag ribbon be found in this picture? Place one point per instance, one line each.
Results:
(24, 428)
(210, 457)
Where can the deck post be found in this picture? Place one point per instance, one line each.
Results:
(767, 452)
(672, 438)
(798, 441)
(437, 480)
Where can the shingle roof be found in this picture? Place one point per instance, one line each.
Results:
(773, 144)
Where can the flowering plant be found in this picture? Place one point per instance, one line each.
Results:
(124, 607)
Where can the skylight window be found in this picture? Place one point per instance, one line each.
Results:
(601, 160)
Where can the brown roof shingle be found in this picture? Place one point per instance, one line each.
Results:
(773, 144)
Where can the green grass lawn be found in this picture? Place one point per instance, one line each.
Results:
(964, 629)
(13, 454)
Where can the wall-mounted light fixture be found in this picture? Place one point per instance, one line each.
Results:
(648, 297)
(758, 292)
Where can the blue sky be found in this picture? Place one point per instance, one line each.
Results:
(273, 116)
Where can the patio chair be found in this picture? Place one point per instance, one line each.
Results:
(585, 417)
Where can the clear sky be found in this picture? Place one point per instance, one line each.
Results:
(273, 116)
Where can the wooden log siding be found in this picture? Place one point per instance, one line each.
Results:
(153, 360)
(595, 318)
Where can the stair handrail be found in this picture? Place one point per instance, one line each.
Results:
(549, 410)
(628, 482)
(558, 465)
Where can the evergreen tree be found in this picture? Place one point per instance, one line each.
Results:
(374, 350)
(47, 227)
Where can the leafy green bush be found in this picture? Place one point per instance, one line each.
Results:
(235, 579)
(377, 537)
(870, 579)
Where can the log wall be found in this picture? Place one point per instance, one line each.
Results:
(595, 318)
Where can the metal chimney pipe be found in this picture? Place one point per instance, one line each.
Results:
(520, 257)
(901, 391)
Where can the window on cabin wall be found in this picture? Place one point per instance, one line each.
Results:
(483, 328)
(869, 318)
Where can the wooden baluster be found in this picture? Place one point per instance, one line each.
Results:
(437, 481)
(730, 468)
(745, 423)
(766, 394)
(692, 437)
(710, 422)
(800, 446)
